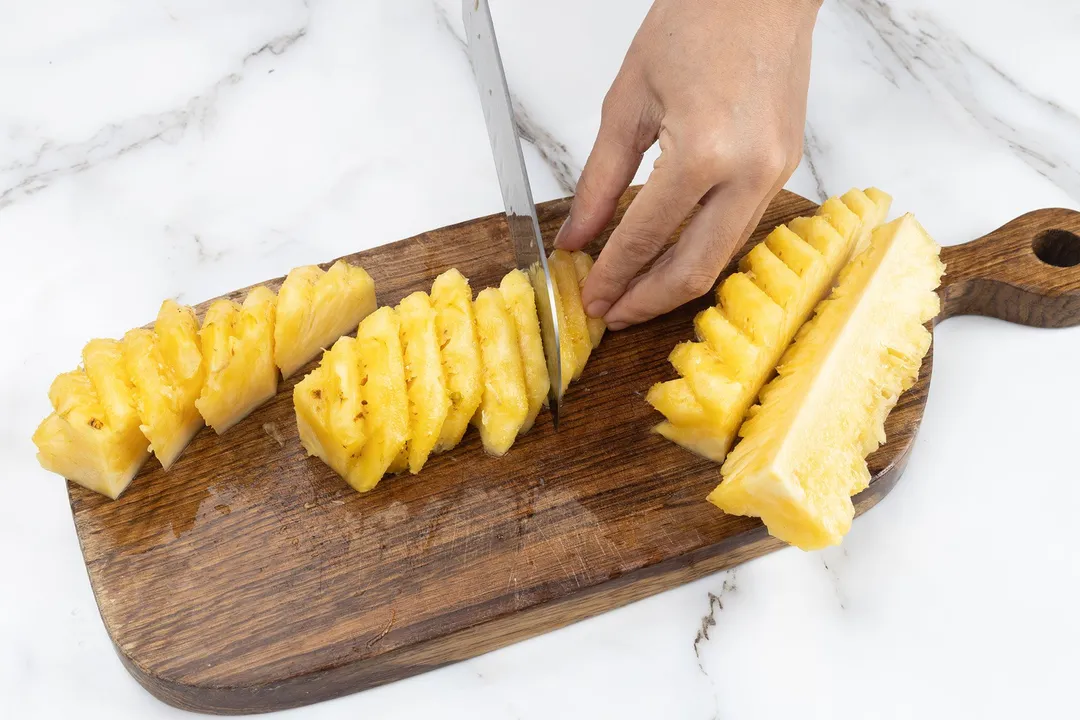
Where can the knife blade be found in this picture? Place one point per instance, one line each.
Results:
(525, 237)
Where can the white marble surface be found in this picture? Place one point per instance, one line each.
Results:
(187, 148)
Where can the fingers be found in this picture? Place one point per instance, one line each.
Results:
(628, 127)
(690, 267)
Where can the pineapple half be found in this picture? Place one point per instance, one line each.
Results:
(315, 308)
(92, 437)
(803, 448)
(166, 368)
(238, 352)
(759, 309)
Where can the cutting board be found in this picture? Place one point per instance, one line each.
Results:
(251, 578)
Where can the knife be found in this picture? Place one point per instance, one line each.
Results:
(525, 235)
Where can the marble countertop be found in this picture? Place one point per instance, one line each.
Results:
(184, 149)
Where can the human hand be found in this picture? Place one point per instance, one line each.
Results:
(722, 85)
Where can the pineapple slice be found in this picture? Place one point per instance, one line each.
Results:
(456, 325)
(167, 371)
(677, 400)
(567, 361)
(92, 437)
(517, 293)
(315, 308)
(505, 405)
(425, 380)
(385, 397)
(331, 412)
(871, 212)
(572, 322)
(804, 446)
(759, 311)
(583, 263)
(238, 353)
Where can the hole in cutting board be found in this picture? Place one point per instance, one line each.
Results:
(1059, 248)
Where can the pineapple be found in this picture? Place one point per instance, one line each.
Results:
(315, 308)
(167, 370)
(505, 404)
(425, 380)
(385, 397)
(758, 311)
(517, 293)
(583, 263)
(455, 322)
(567, 360)
(331, 413)
(238, 353)
(803, 448)
(92, 436)
(572, 322)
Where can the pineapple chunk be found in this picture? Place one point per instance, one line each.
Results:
(517, 293)
(315, 308)
(567, 361)
(676, 399)
(456, 325)
(572, 323)
(505, 405)
(238, 353)
(804, 446)
(167, 370)
(330, 408)
(583, 263)
(711, 382)
(425, 379)
(841, 217)
(870, 212)
(751, 310)
(705, 441)
(883, 200)
(820, 234)
(782, 284)
(92, 437)
(739, 354)
(386, 400)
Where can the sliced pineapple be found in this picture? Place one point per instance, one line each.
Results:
(803, 449)
(517, 293)
(751, 310)
(567, 362)
(238, 353)
(456, 324)
(505, 405)
(167, 371)
(572, 321)
(315, 308)
(331, 412)
(385, 397)
(92, 437)
(425, 380)
(583, 263)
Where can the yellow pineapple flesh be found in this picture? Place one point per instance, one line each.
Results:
(92, 437)
(803, 448)
(315, 308)
(331, 412)
(238, 353)
(758, 311)
(505, 405)
(425, 379)
(583, 263)
(545, 310)
(572, 321)
(517, 293)
(166, 368)
(455, 322)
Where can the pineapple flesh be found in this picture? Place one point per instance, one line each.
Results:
(759, 310)
(166, 368)
(804, 446)
(455, 322)
(505, 405)
(583, 263)
(92, 437)
(315, 308)
(517, 293)
(572, 320)
(425, 380)
(238, 353)
(330, 408)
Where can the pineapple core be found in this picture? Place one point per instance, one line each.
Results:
(803, 448)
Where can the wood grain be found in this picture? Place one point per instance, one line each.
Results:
(251, 578)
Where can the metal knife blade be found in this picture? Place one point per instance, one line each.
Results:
(525, 235)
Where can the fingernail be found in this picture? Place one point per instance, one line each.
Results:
(617, 325)
(597, 308)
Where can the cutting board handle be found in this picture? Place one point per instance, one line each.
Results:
(1027, 271)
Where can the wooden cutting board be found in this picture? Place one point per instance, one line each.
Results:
(251, 578)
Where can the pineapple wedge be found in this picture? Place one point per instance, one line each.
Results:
(517, 293)
(92, 437)
(583, 263)
(567, 361)
(315, 308)
(455, 322)
(572, 322)
(759, 310)
(803, 449)
(167, 371)
(331, 413)
(425, 380)
(385, 397)
(238, 353)
(505, 404)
